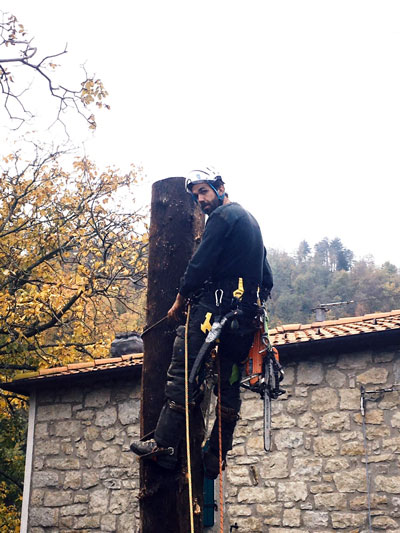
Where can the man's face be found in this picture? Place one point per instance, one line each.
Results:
(206, 197)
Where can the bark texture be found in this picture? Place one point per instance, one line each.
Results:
(175, 228)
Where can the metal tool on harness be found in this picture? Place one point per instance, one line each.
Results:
(264, 373)
(219, 294)
(237, 298)
(212, 337)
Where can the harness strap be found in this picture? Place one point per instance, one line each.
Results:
(227, 413)
(178, 407)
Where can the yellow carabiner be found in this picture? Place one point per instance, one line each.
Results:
(238, 293)
(206, 325)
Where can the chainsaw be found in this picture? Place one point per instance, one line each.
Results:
(264, 373)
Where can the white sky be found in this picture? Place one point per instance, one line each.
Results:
(296, 102)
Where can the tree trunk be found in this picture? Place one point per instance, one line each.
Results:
(176, 225)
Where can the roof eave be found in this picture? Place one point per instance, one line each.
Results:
(344, 344)
(26, 386)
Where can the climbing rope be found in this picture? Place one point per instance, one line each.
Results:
(189, 464)
(221, 484)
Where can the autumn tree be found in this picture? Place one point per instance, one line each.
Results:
(67, 255)
(72, 265)
(22, 62)
(72, 257)
(12, 462)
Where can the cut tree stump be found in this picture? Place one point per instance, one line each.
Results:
(176, 227)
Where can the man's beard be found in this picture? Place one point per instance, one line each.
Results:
(209, 207)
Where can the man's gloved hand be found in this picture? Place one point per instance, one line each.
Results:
(176, 310)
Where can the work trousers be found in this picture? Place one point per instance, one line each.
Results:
(233, 347)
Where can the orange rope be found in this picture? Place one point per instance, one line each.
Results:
(221, 484)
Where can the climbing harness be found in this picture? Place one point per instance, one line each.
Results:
(264, 373)
(187, 420)
(212, 337)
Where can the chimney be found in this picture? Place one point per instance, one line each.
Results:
(320, 313)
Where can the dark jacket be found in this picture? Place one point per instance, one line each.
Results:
(231, 247)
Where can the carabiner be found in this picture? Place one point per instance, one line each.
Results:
(219, 293)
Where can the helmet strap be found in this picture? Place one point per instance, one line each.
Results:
(219, 196)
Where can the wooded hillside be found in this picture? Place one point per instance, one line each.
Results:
(329, 274)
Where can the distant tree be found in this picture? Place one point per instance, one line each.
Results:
(344, 260)
(389, 268)
(340, 257)
(321, 255)
(330, 275)
(303, 251)
(283, 267)
(333, 255)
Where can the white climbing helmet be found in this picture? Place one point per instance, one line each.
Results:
(205, 175)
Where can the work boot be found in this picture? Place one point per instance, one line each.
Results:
(211, 464)
(149, 449)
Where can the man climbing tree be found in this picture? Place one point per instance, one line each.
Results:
(221, 284)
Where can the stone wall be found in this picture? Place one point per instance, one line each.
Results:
(314, 479)
(84, 477)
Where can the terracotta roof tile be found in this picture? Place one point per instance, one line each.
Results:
(292, 327)
(280, 336)
(46, 371)
(77, 366)
(108, 361)
(343, 327)
(132, 357)
(97, 365)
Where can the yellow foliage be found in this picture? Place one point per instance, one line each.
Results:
(71, 261)
(9, 518)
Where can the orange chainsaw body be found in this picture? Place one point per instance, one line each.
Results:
(254, 362)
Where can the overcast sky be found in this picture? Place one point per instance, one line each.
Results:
(297, 103)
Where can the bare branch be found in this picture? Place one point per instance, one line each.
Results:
(14, 481)
(91, 90)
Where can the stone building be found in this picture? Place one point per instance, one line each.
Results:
(80, 474)
(334, 464)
